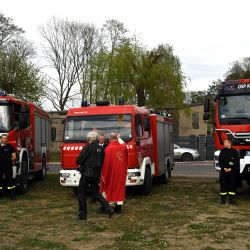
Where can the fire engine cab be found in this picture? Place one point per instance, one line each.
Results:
(28, 130)
(232, 120)
(148, 136)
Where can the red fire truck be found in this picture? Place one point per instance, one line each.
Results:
(232, 120)
(28, 129)
(149, 139)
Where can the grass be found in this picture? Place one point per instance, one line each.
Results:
(184, 214)
(54, 157)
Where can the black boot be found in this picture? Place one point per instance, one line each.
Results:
(231, 200)
(110, 211)
(101, 210)
(12, 195)
(82, 216)
(223, 199)
(118, 209)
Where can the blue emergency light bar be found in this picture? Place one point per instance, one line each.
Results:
(3, 93)
(84, 104)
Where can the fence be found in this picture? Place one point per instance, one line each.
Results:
(205, 145)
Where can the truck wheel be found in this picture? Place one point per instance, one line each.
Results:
(186, 157)
(165, 177)
(169, 171)
(145, 189)
(23, 177)
(40, 175)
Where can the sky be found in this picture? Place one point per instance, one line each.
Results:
(207, 35)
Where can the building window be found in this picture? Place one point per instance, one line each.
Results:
(195, 120)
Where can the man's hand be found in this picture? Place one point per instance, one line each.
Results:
(227, 170)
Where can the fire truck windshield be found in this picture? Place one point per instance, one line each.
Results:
(5, 118)
(234, 109)
(76, 128)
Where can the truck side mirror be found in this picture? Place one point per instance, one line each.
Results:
(207, 105)
(53, 134)
(206, 116)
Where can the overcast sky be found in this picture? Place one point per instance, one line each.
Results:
(207, 35)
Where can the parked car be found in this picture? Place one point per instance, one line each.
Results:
(185, 154)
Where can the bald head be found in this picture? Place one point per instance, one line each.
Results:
(113, 137)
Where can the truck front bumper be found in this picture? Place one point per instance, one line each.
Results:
(71, 177)
(134, 177)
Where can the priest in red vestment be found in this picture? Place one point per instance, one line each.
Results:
(114, 172)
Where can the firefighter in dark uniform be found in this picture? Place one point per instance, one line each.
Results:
(101, 140)
(7, 160)
(229, 162)
(90, 161)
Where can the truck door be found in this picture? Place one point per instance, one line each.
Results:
(147, 139)
(139, 142)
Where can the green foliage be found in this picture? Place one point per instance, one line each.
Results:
(18, 75)
(8, 30)
(147, 78)
(198, 96)
(239, 70)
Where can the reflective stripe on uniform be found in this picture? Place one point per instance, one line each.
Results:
(231, 193)
(11, 187)
(223, 193)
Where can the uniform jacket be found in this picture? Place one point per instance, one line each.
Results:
(91, 160)
(229, 158)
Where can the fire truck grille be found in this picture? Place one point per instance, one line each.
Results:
(239, 140)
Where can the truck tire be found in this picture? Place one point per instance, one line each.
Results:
(248, 181)
(186, 157)
(145, 189)
(164, 179)
(41, 174)
(23, 181)
(169, 171)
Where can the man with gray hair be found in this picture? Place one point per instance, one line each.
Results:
(90, 161)
(114, 172)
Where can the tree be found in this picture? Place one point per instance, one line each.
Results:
(18, 75)
(239, 70)
(213, 87)
(109, 65)
(147, 78)
(199, 96)
(70, 48)
(8, 30)
(166, 79)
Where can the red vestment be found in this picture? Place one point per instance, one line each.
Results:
(114, 172)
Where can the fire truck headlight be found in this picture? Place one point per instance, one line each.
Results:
(65, 175)
(134, 174)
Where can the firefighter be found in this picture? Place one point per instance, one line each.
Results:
(90, 161)
(229, 162)
(101, 140)
(7, 160)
